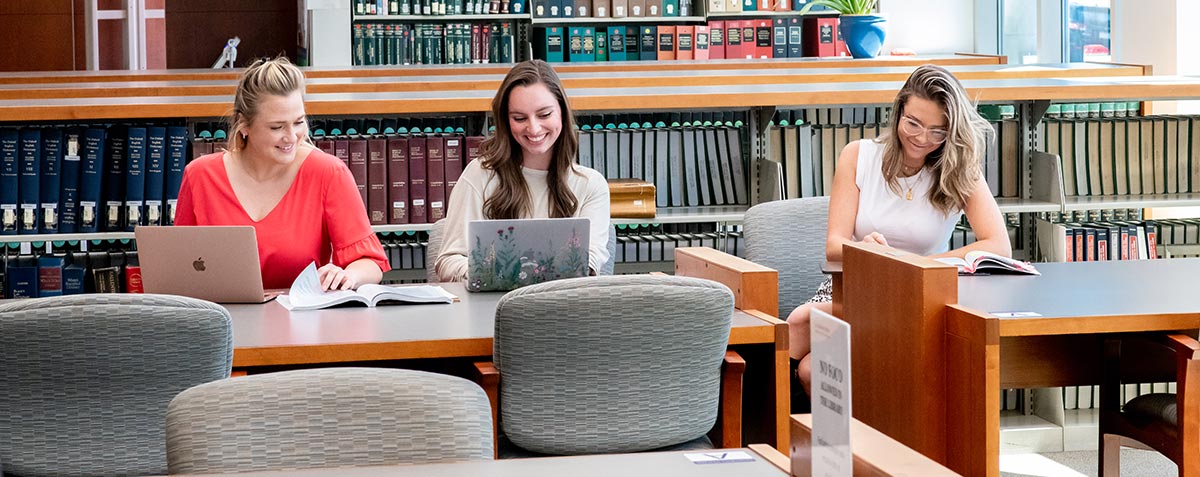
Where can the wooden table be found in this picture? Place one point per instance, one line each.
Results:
(270, 335)
(649, 464)
(930, 355)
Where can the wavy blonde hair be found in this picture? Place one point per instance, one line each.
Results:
(264, 77)
(956, 164)
(502, 154)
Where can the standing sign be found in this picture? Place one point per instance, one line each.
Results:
(831, 454)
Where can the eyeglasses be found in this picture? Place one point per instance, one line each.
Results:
(910, 127)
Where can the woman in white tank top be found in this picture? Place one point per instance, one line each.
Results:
(908, 188)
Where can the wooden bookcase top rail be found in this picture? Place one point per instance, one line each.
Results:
(620, 79)
(456, 70)
(659, 98)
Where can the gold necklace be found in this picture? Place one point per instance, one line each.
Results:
(908, 195)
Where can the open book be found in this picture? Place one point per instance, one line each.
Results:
(981, 262)
(306, 294)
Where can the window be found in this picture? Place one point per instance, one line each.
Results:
(1020, 37)
(1044, 31)
(1089, 30)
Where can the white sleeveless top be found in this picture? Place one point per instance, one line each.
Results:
(915, 226)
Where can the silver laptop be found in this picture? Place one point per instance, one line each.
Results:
(509, 254)
(214, 263)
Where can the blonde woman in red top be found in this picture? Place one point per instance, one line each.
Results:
(302, 202)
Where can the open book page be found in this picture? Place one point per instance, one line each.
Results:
(378, 294)
(306, 293)
(980, 262)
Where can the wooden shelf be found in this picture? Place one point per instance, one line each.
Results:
(661, 98)
(587, 79)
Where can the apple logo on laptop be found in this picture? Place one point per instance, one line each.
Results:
(198, 264)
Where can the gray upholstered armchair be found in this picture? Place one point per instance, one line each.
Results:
(87, 379)
(331, 417)
(434, 246)
(785, 247)
(615, 364)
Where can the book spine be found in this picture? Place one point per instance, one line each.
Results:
(156, 164)
(176, 158)
(30, 164)
(68, 206)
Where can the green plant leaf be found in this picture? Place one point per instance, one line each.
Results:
(845, 7)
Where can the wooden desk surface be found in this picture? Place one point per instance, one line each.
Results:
(268, 334)
(633, 99)
(649, 464)
(1093, 297)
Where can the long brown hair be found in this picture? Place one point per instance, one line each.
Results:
(264, 77)
(502, 154)
(956, 164)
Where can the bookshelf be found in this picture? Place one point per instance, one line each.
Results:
(754, 89)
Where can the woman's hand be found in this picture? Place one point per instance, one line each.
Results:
(334, 277)
(875, 237)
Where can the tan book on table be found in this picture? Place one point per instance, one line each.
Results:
(631, 199)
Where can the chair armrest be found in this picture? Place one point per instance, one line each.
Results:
(488, 378)
(728, 431)
(754, 286)
(1185, 346)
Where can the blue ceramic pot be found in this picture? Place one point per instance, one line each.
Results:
(863, 34)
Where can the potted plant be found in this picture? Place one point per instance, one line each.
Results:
(862, 29)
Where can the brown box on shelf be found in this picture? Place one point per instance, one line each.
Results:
(631, 199)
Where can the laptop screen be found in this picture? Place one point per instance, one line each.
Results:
(509, 254)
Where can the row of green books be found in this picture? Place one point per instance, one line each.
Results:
(433, 43)
(366, 9)
(1126, 156)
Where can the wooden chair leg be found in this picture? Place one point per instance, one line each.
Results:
(728, 431)
(1110, 455)
(488, 378)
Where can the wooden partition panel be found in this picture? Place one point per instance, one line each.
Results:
(874, 453)
(754, 286)
(972, 398)
(895, 303)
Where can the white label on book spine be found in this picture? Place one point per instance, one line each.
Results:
(831, 456)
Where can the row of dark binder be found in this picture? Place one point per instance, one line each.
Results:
(404, 178)
(30, 276)
(1126, 156)
(690, 163)
(89, 179)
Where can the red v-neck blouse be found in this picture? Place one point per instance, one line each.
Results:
(321, 218)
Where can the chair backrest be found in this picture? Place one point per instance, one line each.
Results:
(331, 417)
(612, 363)
(607, 268)
(789, 236)
(87, 378)
(434, 246)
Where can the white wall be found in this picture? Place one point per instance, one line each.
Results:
(910, 25)
(1161, 33)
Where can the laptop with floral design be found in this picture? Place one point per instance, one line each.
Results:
(508, 254)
